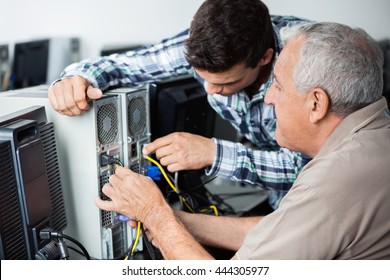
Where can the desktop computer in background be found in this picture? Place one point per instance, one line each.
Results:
(116, 127)
(4, 67)
(42, 61)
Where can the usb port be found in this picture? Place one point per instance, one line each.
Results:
(134, 150)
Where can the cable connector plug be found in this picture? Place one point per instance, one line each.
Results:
(153, 172)
(45, 234)
(106, 159)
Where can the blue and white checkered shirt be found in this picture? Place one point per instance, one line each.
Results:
(268, 165)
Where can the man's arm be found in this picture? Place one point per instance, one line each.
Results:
(138, 197)
(275, 169)
(133, 68)
(172, 238)
(175, 234)
(219, 232)
(182, 151)
(216, 231)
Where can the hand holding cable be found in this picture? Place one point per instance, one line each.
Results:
(131, 194)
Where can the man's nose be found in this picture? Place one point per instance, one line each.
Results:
(268, 99)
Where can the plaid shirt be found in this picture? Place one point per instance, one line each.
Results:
(267, 165)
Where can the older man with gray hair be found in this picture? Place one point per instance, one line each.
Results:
(328, 100)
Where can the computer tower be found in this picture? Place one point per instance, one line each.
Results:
(82, 143)
(135, 112)
(30, 186)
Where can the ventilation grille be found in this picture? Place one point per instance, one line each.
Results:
(106, 216)
(118, 240)
(135, 167)
(53, 174)
(107, 123)
(136, 116)
(10, 217)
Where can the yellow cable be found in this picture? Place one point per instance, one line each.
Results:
(169, 181)
(136, 237)
(213, 207)
(162, 171)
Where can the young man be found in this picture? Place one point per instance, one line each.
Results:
(328, 101)
(230, 48)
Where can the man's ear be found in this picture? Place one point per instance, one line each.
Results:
(267, 57)
(319, 104)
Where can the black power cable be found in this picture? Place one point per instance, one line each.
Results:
(148, 245)
(47, 234)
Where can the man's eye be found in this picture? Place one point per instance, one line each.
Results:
(276, 85)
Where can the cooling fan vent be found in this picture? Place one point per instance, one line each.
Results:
(107, 120)
(136, 116)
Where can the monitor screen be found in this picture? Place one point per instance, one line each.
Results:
(4, 67)
(180, 104)
(30, 64)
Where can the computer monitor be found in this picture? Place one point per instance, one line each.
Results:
(30, 187)
(180, 105)
(42, 61)
(30, 63)
(4, 67)
(108, 50)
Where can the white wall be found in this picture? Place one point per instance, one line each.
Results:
(96, 22)
(371, 15)
(123, 22)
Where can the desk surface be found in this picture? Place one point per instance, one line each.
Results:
(241, 197)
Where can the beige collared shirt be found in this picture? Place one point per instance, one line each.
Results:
(339, 206)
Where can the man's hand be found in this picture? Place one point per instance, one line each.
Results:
(138, 197)
(182, 151)
(70, 96)
(133, 195)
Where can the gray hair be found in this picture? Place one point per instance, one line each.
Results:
(345, 62)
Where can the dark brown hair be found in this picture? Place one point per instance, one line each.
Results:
(224, 33)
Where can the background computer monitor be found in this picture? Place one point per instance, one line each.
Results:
(108, 50)
(4, 67)
(30, 63)
(42, 61)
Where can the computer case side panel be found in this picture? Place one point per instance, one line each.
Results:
(79, 167)
(82, 141)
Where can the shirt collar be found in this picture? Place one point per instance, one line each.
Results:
(355, 122)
